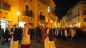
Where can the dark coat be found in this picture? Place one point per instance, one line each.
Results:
(1, 33)
(51, 35)
(7, 35)
(17, 34)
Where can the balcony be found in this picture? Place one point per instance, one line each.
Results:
(28, 13)
(42, 17)
(4, 6)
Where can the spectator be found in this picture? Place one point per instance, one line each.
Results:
(7, 35)
(38, 34)
(1, 35)
(15, 37)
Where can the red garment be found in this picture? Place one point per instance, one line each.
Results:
(25, 46)
(43, 35)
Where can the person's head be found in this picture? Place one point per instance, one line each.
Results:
(14, 26)
(25, 25)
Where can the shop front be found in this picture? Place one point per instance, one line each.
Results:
(21, 24)
(3, 23)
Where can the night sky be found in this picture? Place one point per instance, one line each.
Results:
(62, 6)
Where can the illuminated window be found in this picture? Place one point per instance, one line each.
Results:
(21, 24)
(49, 9)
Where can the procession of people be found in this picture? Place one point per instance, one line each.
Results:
(21, 37)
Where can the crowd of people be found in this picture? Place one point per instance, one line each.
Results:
(74, 33)
(69, 33)
(17, 36)
(20, 37)
(4, 34)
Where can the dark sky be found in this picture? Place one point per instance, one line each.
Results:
(62, 6)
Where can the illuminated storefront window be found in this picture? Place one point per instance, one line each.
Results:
(21, 24)
(4, 24)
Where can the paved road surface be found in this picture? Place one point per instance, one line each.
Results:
(34, 44)
(70, 44)
(59, 44)
(6, 45)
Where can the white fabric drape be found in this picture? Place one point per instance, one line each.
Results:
(14, 44)
(49, 44)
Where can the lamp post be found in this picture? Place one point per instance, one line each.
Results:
(51, 23)
(18, 13)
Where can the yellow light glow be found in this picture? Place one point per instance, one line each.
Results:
(55, 24)
(70, 26)
(78, 24)
(39, 22)
(18, 13)
(51, 21)
(58, 24)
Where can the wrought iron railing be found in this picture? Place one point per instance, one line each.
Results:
(42, 17)
(28, 13)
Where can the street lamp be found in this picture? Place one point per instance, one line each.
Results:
(18, 13)
(51, 23)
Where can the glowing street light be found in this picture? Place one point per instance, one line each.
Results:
(51, 23)
(18, 13)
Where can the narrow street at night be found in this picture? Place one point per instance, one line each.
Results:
(42, 23)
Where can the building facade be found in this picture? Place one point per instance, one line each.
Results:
(19, 12)
(76, 16)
